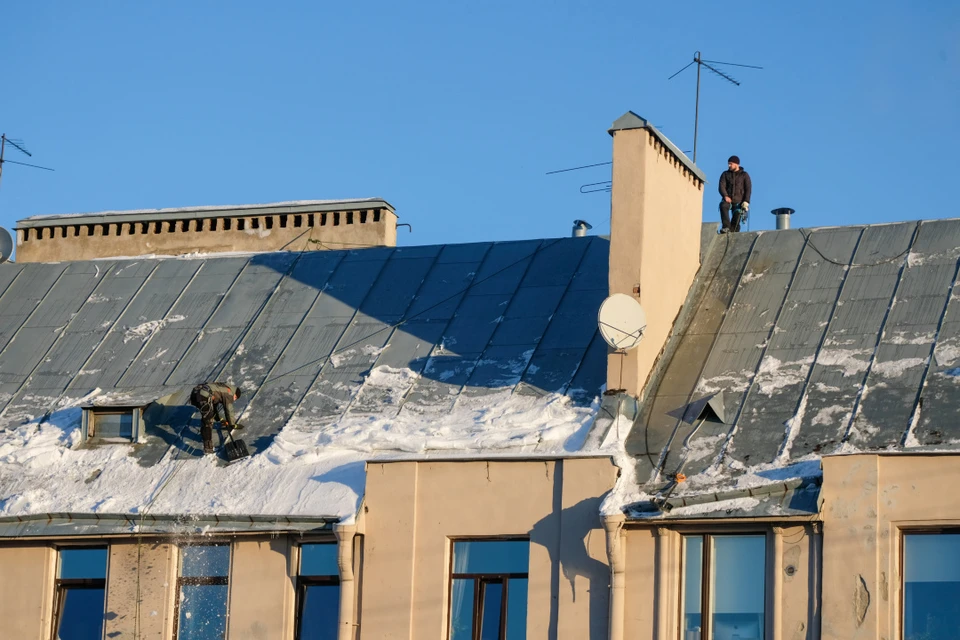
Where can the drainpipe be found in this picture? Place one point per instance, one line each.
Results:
(345, 534)
(613, 525)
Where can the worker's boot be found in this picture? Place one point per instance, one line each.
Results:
(207, 447)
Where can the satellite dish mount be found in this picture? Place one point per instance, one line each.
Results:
(622, 322)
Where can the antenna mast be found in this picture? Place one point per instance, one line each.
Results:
(19, 146)
(700, 62)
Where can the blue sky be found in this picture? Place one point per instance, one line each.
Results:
(455, 111)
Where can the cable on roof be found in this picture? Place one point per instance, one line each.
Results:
(808, 234)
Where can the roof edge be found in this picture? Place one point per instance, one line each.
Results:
(631, 120)
(190, 213)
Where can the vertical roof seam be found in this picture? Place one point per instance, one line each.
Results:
(463, 296)
(930, 356)
(56, 341)
(300, 324)
(880, 334)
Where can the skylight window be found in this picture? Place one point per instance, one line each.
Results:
(112, 424)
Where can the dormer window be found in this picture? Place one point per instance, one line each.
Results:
(112, 424)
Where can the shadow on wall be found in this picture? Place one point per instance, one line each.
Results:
(567, 532)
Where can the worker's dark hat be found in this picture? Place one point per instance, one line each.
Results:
(734, 159)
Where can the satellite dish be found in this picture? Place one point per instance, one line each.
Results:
(6, 245)
(622, 321)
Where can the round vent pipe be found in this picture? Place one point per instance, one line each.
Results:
(783, 217)
(580, 228)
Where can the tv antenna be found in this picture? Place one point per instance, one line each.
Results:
(700, 62)
(19, 146)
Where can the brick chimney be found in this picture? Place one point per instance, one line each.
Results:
(305, 225)
(656, 209)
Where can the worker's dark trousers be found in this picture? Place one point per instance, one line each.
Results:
(725, 216)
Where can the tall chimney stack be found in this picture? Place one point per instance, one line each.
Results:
(656, 212)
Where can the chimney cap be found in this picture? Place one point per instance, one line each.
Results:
(630, 120)
(783, 211)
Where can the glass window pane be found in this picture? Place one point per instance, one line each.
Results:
(318, 560)
(492, 603)
(491, 556)
(517, 609)
(737, 587)
(209, 561)
(80, 563)
(692, 587)
(203, 612)
(321, 612)
(81, 614)
(461, 609)
(931, 594)
(113, 425)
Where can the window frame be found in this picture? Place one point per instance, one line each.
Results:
(88, 427)
(201, 581)
(706, 578)
(61, 585)
(479, 580)
(312, 580)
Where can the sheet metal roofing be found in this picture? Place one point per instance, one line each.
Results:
(368, 338)
(808, 343)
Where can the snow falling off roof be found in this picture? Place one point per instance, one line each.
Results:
(821, 341)
(487, 348)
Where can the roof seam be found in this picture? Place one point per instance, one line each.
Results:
(933, 348)
(880, 334)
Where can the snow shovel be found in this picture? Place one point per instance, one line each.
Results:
(234, 448)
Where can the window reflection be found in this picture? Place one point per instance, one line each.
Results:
(318, 592)
(202, 603)
(931, 594)
(488, 592)
(81, 587)
(732, 594)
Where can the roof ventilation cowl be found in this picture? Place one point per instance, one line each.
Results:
(783, 217)
(580, 228)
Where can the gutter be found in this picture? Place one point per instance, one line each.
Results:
(613, 526)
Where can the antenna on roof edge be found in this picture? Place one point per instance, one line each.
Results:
(700, 62)
(19, 146)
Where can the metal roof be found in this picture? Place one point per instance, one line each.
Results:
(815, 342)
(191, 213)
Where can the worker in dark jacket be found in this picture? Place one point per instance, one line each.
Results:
(736, 189)
(214, 400)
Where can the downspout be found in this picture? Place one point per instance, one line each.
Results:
(345, 534)
(613, 526)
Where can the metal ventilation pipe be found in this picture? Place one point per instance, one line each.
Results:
(580, 228)
(783, 217)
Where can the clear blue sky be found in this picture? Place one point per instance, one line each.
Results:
(454, 111)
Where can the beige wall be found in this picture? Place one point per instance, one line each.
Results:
(654, 586)
(413, 509)
(26, 591)
(869, 501)
(262, 590)
(656, 208)
(330, 230)
(146, 571)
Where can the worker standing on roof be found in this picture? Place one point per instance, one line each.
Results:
(215, 401)
(735, 187)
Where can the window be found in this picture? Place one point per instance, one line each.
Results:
(81, 584)
(112, 424)
(931, 586)
(202, 587)
(488, 590)
(723, 587)
(318, 592)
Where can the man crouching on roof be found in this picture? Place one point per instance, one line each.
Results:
(214, 399)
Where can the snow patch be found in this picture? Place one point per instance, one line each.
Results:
(146, 330)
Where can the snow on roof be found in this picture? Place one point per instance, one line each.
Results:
(343, 356)
(833, 340)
